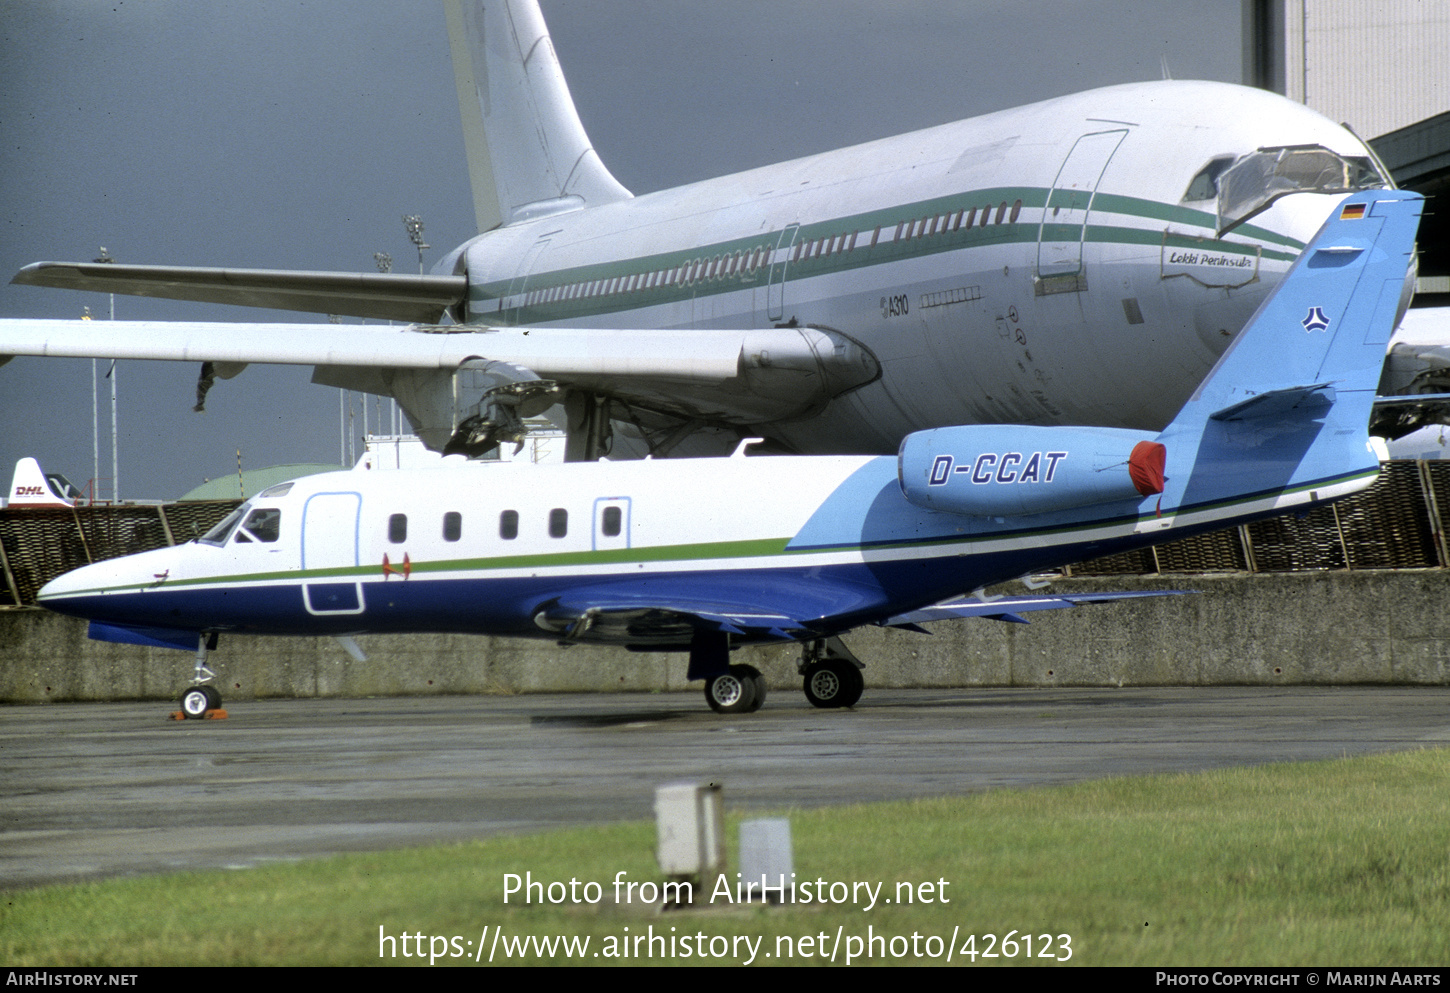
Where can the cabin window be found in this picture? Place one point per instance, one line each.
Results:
(1002, 212)
(508, 525)
(558, 522)
(1016, 211)
(986, 216)
(452, 526)
(398, 528)
(609, 522)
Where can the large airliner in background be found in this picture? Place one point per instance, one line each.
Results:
(1083, 260)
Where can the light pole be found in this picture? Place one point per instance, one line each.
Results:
(95, 424)
(106, 258)
(414, 224)
(385, 266)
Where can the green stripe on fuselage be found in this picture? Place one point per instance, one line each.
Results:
(977, 236)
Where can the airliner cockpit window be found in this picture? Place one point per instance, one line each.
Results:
(1204, 186)
(1256, 180)
(223, 530)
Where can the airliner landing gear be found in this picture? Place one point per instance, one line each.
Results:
(832, 675)
(740, 690)
(201, 699)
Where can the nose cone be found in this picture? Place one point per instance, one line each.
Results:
(115, 589)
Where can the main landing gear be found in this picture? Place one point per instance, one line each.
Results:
(200, 700)
(729, 689)
(831, 674)
(739, 690)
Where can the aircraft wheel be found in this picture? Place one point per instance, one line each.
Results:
(752, 674)
(731, 692)
(832, 683)
(196, 701)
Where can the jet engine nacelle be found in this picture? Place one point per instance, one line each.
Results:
(1015, 470)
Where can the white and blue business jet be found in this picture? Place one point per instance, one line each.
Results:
(708, 555)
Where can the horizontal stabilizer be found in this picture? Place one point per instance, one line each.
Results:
(384, 296)
(1305, 400)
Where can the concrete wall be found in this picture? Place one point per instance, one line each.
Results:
(1298, 628)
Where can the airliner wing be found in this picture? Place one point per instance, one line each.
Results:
(738, 377)
(385, 296)
(555, 352)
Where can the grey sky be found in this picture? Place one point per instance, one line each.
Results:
(289, 134)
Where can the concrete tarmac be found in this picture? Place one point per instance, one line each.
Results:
(104, 789)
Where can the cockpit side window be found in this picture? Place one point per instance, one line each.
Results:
(264, 524)
(1204, 186)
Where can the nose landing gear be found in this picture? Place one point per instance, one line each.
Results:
(201, 701)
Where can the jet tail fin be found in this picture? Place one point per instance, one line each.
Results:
(32, 487)
(1286, 409)
(528, 153)
(1324, 330)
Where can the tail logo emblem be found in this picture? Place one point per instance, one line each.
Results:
(1315, 320)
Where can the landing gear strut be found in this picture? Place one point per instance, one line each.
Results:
(200, 698)
(831, 674)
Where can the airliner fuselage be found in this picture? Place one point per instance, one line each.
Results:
(1050, 264)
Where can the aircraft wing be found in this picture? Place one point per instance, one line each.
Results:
(555, 352)
(386, 296)
(737, 377)
(1008, 608)
(662, 620)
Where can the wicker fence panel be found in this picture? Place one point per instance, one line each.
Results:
(39, 545)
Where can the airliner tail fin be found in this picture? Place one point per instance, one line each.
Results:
(528, 153)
